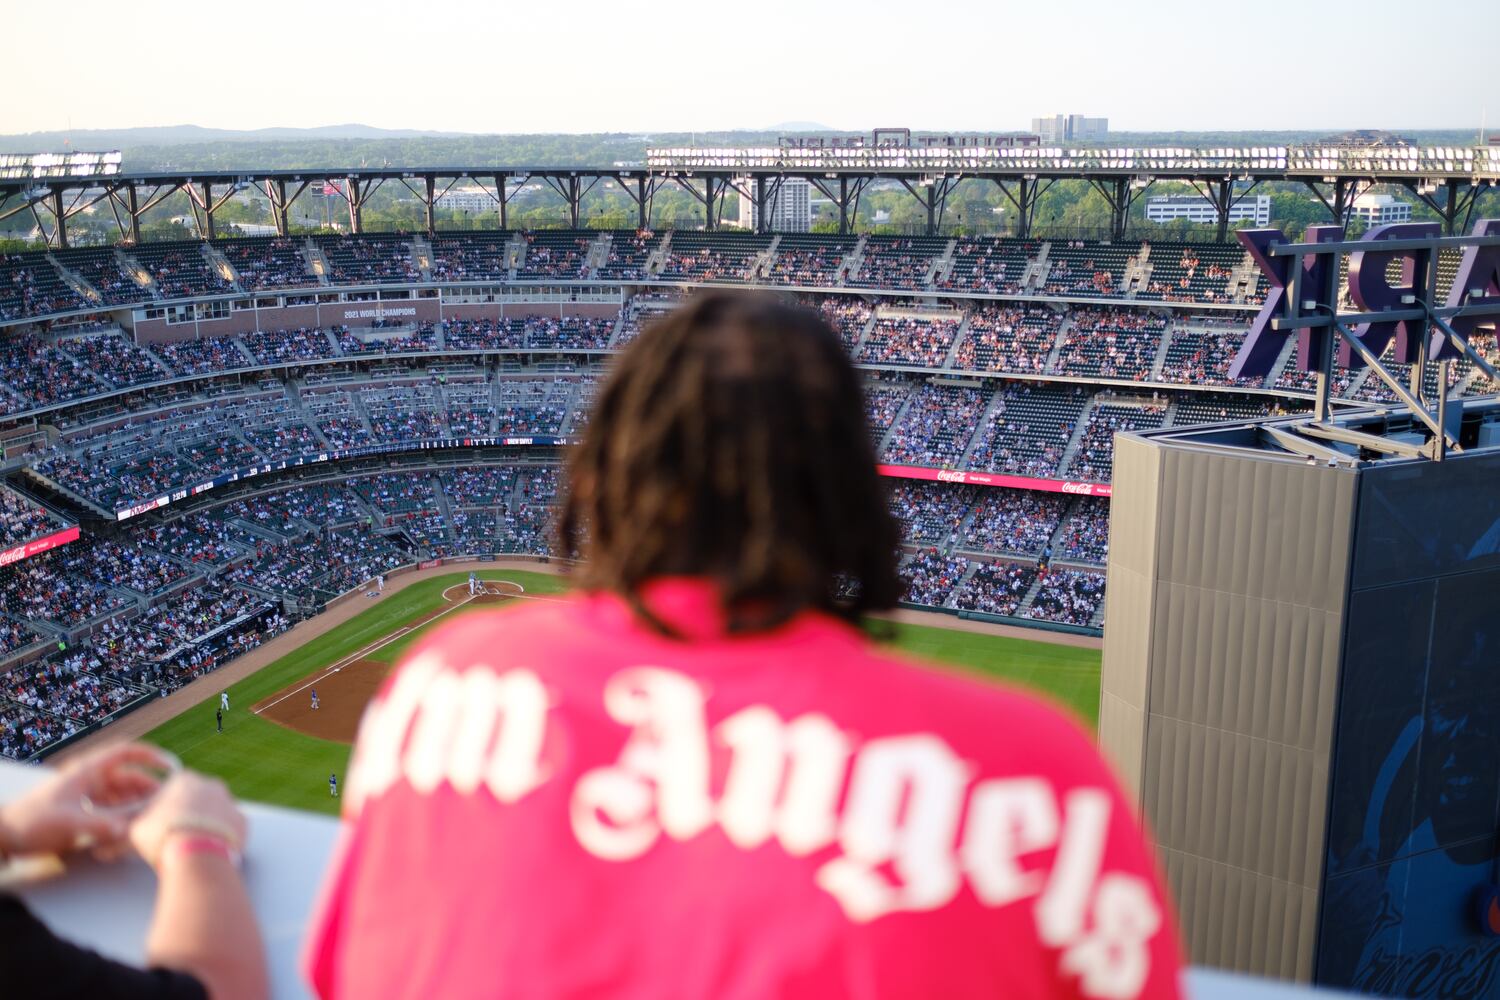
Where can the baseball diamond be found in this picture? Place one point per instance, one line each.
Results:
(278, 749)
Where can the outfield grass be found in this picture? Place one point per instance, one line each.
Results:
(269, 763)
(1067, 675)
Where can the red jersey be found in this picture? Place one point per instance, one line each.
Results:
(557, 801)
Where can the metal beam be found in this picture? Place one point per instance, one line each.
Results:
(1368, 357)
(501, 182)
(208, 208)
(121, 229)
(1374, 442)
(1028, 192)
(1120, 193)
(1460, 198)
(645, 190)
(1475, 358)
(1297, 446)
(932, 194)
(1220, 194)
(1345, 190)
(59, 219)
(135, 216)
(276, 195)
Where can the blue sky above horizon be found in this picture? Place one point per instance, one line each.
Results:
(473, 66)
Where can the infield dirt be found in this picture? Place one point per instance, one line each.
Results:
(347, 686)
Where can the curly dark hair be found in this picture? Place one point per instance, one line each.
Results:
(730, 442)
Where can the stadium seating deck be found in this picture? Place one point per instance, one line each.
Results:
(127, 432)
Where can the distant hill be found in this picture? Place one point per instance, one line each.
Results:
(179, 135)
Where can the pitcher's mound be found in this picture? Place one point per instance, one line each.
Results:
(491, 592)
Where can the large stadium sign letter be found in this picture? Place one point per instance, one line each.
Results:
(1477, 283)
(1373, 292)
(1263, 345)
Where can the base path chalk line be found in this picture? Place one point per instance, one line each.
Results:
(357, 655)
(381, 644)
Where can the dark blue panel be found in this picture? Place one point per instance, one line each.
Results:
(1381, 691)
(1414, 809)
(1426, 519)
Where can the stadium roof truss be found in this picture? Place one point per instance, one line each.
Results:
(1446, 179)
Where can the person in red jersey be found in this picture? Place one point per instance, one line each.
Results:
(700, 776)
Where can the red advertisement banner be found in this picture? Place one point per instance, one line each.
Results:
(39, 545)
(997, 479)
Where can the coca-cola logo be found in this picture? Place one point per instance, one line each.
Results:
(1086, 489)
(945, 476)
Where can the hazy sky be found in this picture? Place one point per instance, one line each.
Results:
(586, 66)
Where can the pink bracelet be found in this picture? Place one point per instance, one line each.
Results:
(185, 845)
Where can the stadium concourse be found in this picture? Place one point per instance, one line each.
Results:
(248, 428)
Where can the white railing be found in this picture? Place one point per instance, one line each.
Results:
(108, 907)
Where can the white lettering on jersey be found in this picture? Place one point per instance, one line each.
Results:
(432, 734)
(667, 751)
(784, 780)
(907, 834)
(1112, 957)
(905, 801)
(515, 761)
(464, 729)
(382, 732)
(1008, 817)
(1061, 910)
(1113, 960)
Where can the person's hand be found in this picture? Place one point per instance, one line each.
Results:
(85, 804)
(192, 805)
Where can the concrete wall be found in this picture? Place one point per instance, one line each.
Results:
(1227, 583)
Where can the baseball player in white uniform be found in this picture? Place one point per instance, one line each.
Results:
(224, 700)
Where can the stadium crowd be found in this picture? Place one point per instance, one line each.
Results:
(32, 285)
(1070, 596)
(20, 519)
(910, 340)
(152, 598)
(171, 579)
(996, 588)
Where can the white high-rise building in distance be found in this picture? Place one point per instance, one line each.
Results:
(1255, 209)
(1065, 128)
(1380, 209)
(473, 200)
(788, 209)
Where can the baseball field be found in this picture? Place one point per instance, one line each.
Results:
(275, 747)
